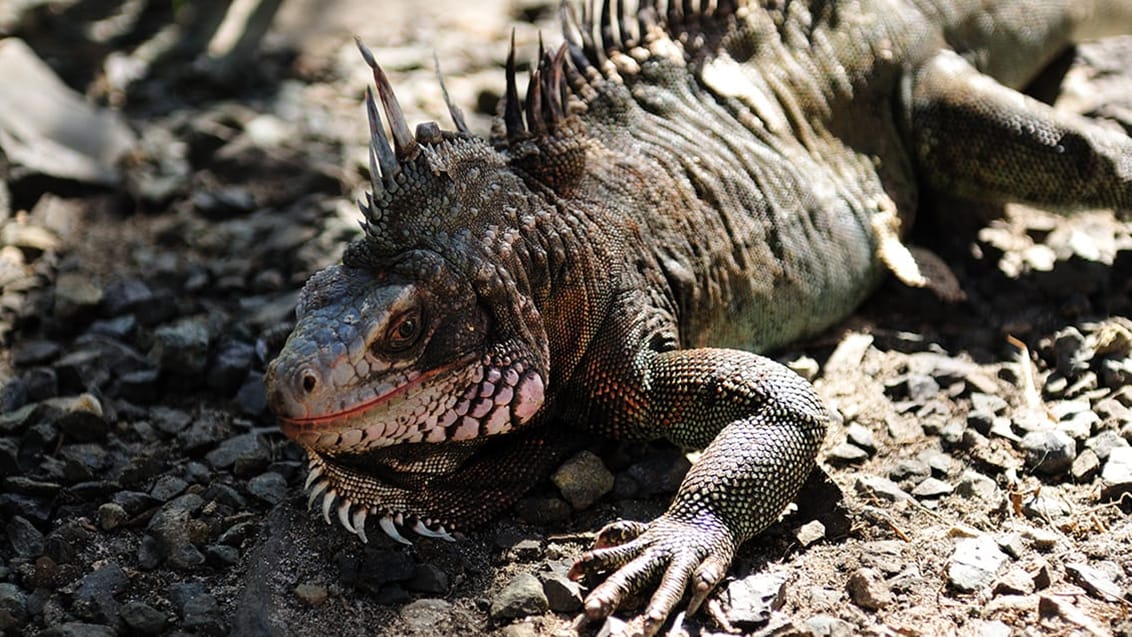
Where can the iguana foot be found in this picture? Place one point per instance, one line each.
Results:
(682, 554)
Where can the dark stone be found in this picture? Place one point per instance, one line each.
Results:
(13, 395)
(428, 578)
(119, 327)
(181, 348)
(223, 203)
(244, 455)
(81, 370)
(126, 296)
(140, 386)
(226, 495)
(200, 612)
(169, 421)
(168, 487)
(76, 299)
(206, 430)
(13, 608)
(26, 540)
(94, 598)
(34, 352)
(9, 457)
(221, 555)
(1049, 452)
(269, 487)
(63, 543)
(562, 594)
(29, 486)
(381, 567)
(230, 366)
(84, 462)
(174, 529)
(134, 502)
(41, 383)
(239, 532)
(142, 618)
(149, 553)
(252, 396)
(111, 516)
(79, 629)
(521, 597)
(141, 470)
(82, 420)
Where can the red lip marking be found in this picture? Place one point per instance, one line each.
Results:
(292, 427)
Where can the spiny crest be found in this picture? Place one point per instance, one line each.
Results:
(390, 165)
(608, 27)
(547, 96)
(540, 138)
(401, 162)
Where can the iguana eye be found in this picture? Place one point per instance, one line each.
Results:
(405, 331)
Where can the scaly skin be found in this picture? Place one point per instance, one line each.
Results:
(674, 195)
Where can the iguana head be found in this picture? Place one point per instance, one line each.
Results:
(425, 342)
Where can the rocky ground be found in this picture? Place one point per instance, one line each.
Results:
(146, 269)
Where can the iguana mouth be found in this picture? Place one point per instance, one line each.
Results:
(466, 399)
(309, 429)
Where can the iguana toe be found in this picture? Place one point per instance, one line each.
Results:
(618, 533)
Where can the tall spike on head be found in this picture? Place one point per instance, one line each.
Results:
(453, 110)
(512, 108)
(535, 121)
(381, 155)
(556, 86)
(403, 140)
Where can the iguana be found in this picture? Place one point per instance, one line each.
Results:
(683, 185)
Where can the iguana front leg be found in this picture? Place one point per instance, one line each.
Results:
(761, 425)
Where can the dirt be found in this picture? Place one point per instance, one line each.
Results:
(924, 389)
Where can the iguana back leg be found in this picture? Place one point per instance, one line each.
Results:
(974, 137)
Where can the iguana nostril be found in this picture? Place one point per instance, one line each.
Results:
(309, 381)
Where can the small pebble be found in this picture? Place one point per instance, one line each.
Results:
(868, 589)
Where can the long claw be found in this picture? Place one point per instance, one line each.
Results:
(313, 474)
(318, 489)
(359, 520)
(423, 530)
(327, 502)
(387, 525)
(344, 516)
